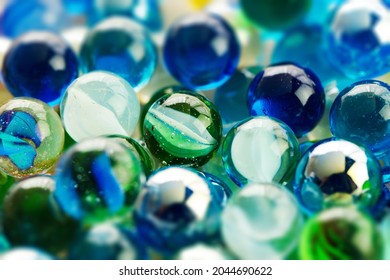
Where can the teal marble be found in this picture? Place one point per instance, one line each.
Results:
(99, 103)
(260, 149)
(183, 129)
(261, 221)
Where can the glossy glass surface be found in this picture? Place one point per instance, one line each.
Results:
(361, 114)
(183, 128)
(201, 51)
(31, 137)
(99, 103)
(39, 65)
(341, 234)
(290, 93)
(177, 207)
(337, 172)
(261, 221)
(98, 179)
(260, 149)
(26, 254)
(121, 46)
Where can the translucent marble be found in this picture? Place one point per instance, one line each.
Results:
(19, 17)
(5, 184)
(97, 180)
(357, 40)
(260, 149)
(107, 242)
(201, 51)
(261, 221)
(32, 217)
(99, 103)
(39, 65)
(337, 172)
(31, 137)
(290, 93)
(77, 7)
(361, 114)
(121, 46)
(177, 207)
(320, 10)
(4, 244)
(341, 233)
(25, 254)
(146, 12)
(183, 128)
(231, 97)
(275, 14)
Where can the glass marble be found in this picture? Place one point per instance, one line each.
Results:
(32, 217)
(176, 208)
(140, 151)
(201, 51)
(31, 137)
(99, 103)
(26, 254)
(107, 242)
(260, 149)
(231, 97)
(357, 40)
(5, 184)
(320, 11)
(183, 128)
(98, 179)
(4, 244)
(290, 93)
(121, 46)
(361, 114)
(40, 65)
(19, 17)
(341, 233)
(146, 12)
(77, 7)
(261, 221)
(386, 3)
(337, 172)
(275, 14)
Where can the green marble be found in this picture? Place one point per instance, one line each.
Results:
(183, 129)
(341, 234)
(5, 183)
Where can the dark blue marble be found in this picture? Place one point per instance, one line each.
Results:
(201, 51)
(39, 65)
(19, 17)
(289, 93)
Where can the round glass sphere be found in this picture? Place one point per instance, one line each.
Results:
(121, 46)
(290, 93)
(177, 207)
(341, 233)
(260, 149)
(275, 14)
(359, 114)
(98, 179)
(40, 65)
(183, 128)
(201, 51)
(106, 241)
(99, 103)
(357, 40)
(31, 136)
(32, 217)
(25, 254)
(337, 172)
(261, 221)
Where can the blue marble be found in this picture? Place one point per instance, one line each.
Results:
(19, 17)
(77, 7)
(361, 114)
(39, 65)
(121, 46)
(321, 10)
(289, 93)
(201, 51)
(386, 3)
(146, 12)
(336, 172)
(230, 98)
(107, 242)
(357, 39)
(177, 207)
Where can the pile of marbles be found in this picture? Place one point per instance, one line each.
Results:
(214, 129)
